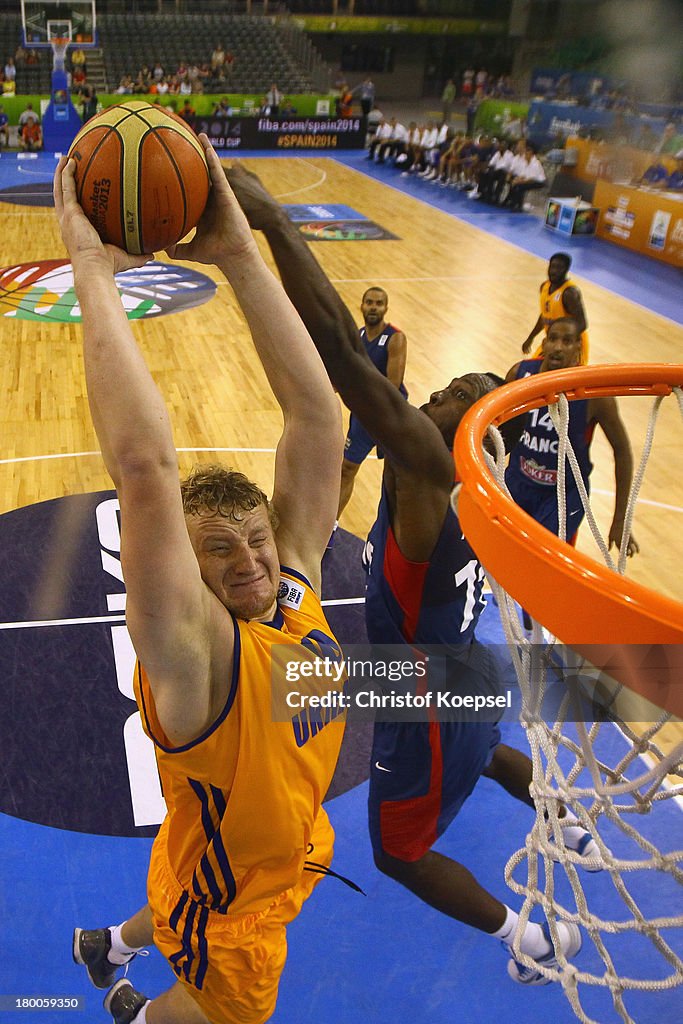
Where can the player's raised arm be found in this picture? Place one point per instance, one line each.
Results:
(408, 438)
(308, 461)
(168, 606)
(606, 413)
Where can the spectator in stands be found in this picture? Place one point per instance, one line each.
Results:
(125, 86)
(287, 109)
(187, 111)
(406, 160)
(10, 70)
(185, 87)
(20, 55)
(495, 172)
(646, 139)
(222, 108)
(9, 86)
(484, 151)
(162, 86)
(675, 179)
(265, 110)
(366, 95)
(181, 70)
(480, 83)
(218, 60)
(374, 118)
(4, 127)
(32, 57)
(531, 177)
(31, 136)
(670, 142)
(444, 139)
(345, 101)
(654, 176)
(27, 114)
(447, 100)
(157, 71)
(468, 82)
(449, 154)
(516, 167)
(78, 80)
(274, 99)
(461, 161)
(381, 137)
(396, 142)
(78, 59)
(174, 85)
(471, 113)
(90, 103)
(228, 64)
(422, 151)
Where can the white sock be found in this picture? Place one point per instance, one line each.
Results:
(534, 942)
(572, 834)
(141, 1016)
(120, 953)
(336, 525)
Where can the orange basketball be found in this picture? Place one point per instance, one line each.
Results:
(141, 176)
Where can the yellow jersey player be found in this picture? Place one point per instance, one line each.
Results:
(219, 580)
(560, 298)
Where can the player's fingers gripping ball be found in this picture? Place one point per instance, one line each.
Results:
(141, 176)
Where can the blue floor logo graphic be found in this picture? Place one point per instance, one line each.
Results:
(44, 291)
(74, 753)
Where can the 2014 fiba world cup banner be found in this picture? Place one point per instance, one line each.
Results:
(287, 133)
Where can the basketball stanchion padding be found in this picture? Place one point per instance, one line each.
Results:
(141, 176)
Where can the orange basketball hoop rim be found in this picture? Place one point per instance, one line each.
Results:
(582, 602)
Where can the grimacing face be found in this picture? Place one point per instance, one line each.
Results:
(238, 560)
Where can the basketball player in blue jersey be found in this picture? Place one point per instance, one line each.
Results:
(387, 348)
(219, 580)
(531, 475)
(424, 587)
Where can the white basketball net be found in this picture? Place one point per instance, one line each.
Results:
(59, 48)
(568, 769)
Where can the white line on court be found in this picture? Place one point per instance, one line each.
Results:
(271, 451)
(88, 620)
(306, 188)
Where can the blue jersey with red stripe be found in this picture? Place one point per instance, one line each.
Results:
(433, 602)
(378, 349)
(533, 460)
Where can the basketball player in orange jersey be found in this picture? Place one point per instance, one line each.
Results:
(208, 598)
(559, 298)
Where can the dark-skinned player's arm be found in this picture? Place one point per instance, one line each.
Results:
(606, 412)
(410, 440)
(529, 340)
(573, 304)
(396, 358)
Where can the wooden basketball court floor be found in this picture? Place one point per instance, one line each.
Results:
(77, 808)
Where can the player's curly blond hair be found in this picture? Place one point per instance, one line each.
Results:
(215, 490)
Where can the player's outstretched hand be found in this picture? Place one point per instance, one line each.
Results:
(85, 247)
(222, 233)
(258, 204)
(614, 540)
